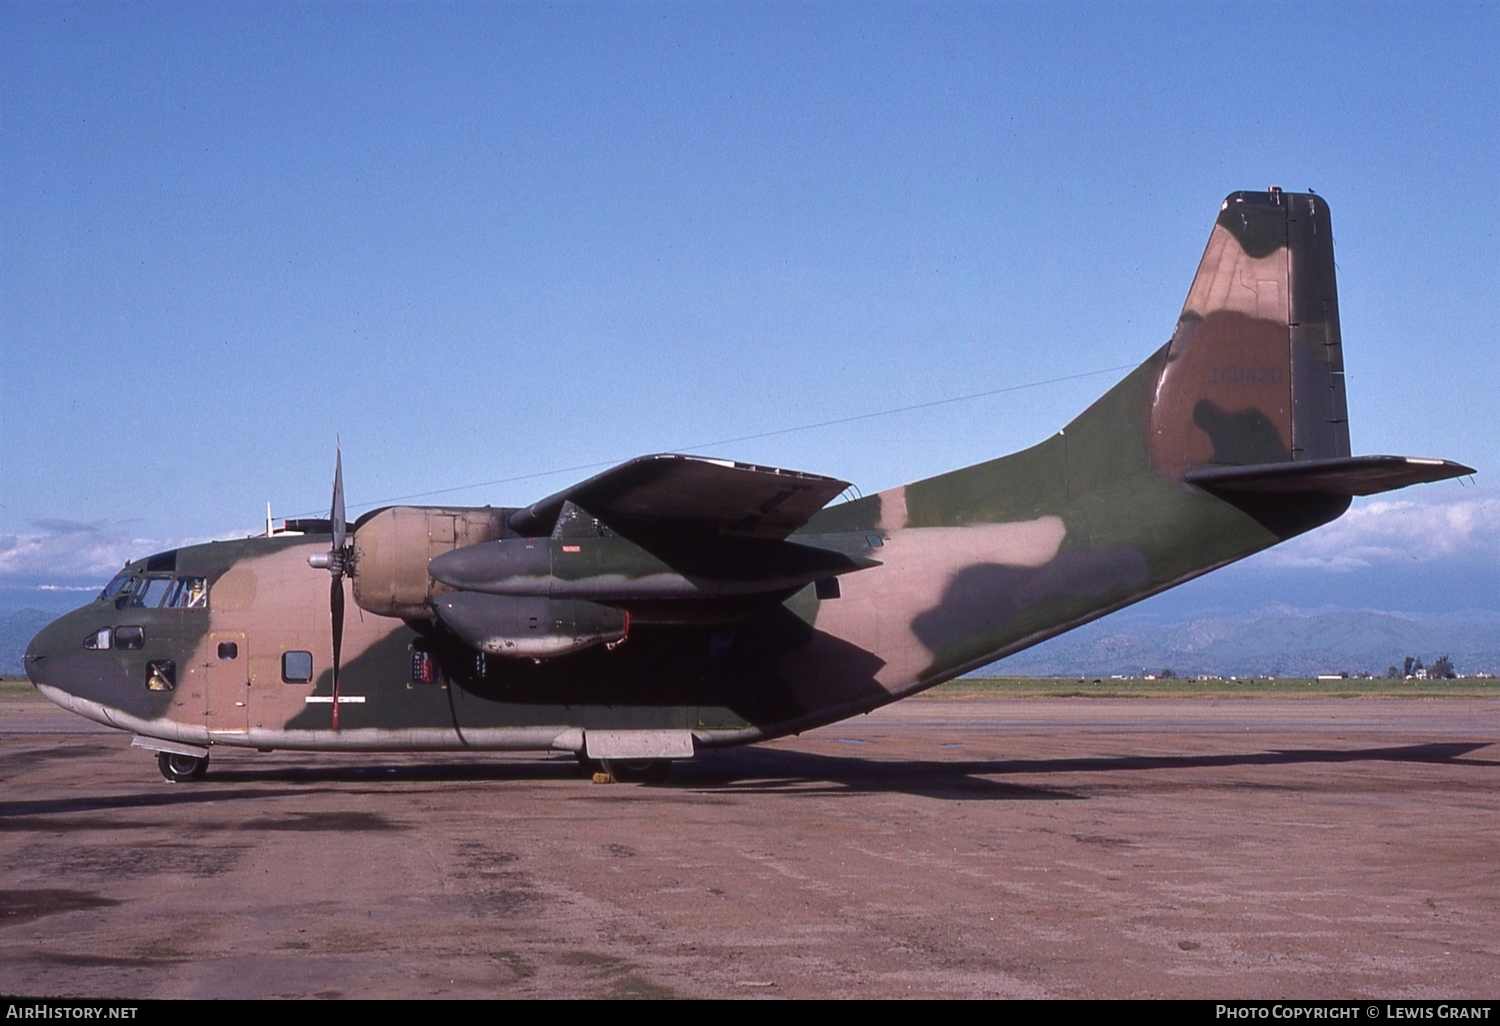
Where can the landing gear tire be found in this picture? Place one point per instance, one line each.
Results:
(589, 766)
(644, 771)
(181, 769)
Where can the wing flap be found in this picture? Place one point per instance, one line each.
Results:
(1354, 475)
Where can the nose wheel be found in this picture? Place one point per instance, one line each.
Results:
(180, 769)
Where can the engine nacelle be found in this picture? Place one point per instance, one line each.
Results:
(522, 627)
(393, 547)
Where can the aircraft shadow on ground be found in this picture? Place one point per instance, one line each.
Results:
(759, 769)
(749, 770)
(28, 815)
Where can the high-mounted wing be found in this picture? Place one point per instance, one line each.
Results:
(689, 541)
(666, 492)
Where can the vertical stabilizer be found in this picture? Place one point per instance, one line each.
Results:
(1254, 373)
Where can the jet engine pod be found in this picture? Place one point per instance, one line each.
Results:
(393, 546)
(526, 627)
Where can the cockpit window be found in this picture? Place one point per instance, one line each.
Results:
(188, 593)
(113, 587)
(151, 591)
(122, 599)
(99, 640)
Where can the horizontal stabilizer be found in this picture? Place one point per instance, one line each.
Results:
(1354, 475)
(669, 492)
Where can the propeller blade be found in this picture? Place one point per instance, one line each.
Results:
(336, 513)
(336, 606)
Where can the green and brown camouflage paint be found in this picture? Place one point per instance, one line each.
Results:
(972, 565)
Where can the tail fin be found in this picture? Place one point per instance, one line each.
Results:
(1246, 401)
(1254, 373)
(1251, 394)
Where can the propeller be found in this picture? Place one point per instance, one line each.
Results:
(337, 561)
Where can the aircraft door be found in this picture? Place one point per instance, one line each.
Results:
(227, 691)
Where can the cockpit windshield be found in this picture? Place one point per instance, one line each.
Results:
(113, 587)
(188, 593)
(171, 593)
(151, 591)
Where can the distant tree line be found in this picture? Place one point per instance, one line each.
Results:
(1441, 668)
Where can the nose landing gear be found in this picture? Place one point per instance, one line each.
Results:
(179, 769)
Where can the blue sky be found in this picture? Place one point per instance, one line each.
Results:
(482, 242)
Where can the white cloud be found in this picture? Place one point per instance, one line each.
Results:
(63, 553)
(1415, 529)
(1380, 531)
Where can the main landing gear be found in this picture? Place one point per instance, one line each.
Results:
(181, 769)
(645, 771)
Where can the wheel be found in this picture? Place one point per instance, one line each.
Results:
(645, 771)
(181, 768)
(589, 766)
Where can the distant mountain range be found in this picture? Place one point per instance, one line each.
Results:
(1280, 641)
(17, 628)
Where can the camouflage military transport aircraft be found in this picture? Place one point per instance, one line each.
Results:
(677, 603)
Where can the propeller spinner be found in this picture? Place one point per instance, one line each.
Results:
(336, 561)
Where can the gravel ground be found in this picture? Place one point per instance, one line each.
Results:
(1027, 847)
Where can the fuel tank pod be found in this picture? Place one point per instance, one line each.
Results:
(521, 627)
(616, 570)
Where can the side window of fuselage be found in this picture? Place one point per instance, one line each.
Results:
(161, 675)
(296, 667)
(99, 640)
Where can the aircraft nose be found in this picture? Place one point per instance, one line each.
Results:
(34, 658)
(42, 647)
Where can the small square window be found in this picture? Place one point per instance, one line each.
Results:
(828, 588)
(229, 650)
(874, 540)
(296, 667)
(161, 675)
(129, 638)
